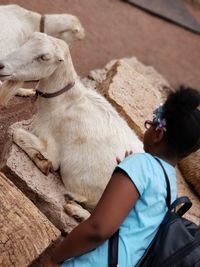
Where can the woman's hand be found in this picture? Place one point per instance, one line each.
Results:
(127, 153)
(50, 263)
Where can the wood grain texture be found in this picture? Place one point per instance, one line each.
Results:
(24, 231)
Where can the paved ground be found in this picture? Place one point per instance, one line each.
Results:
(115, 29)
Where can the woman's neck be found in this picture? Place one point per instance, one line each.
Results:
(161, 151)
(171, 160)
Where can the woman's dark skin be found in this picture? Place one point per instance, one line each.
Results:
(106, 218)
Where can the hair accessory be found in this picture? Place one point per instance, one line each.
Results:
(158, 119)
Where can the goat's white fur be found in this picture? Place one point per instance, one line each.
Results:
(78, 131)
(18, 24)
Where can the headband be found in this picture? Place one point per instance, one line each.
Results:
(158, 118)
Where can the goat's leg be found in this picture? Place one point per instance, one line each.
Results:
(75, 206)
(76, 211)
(25, 92)
(34, 148)
(75, 197)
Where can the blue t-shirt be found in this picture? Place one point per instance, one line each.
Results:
(141, 225)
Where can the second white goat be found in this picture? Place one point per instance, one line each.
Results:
(18, 24)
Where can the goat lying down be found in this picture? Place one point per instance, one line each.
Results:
(77, 131)
(18, 24)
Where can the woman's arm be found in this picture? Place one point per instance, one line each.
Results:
(116, 202)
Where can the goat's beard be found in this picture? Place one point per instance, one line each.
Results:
(7, 90)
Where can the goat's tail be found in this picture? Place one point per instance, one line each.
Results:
(7, 90)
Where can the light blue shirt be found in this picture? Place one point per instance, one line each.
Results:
(141, 225)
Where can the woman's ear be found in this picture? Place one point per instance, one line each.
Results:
(159, 135)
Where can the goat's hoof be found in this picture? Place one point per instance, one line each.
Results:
(47, 167)
(79, 199)
(74, 211)
(43, 164)
(78, 219)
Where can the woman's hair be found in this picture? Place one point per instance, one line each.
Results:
(183, 121)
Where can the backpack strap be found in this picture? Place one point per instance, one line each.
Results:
(187, 204)
(168, 198)
(113, 250)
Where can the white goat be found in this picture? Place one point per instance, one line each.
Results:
(78, 131)
(17, 24)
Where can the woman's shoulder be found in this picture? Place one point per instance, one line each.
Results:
(149, 162)
(143, 164)
(138, 167)
(138, 158)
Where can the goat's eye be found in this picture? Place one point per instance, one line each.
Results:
(44, 57)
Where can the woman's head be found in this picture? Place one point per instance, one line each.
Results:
(176, 125)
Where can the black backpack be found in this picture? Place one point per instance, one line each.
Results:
(177, 242)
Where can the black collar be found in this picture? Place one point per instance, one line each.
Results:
(42, 22)
(50, 95)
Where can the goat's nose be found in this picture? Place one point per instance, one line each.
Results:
(1, 66)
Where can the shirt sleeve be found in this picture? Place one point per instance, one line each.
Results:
(136, 167)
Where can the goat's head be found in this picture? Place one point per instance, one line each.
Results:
(64, 26)
(38, 58)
